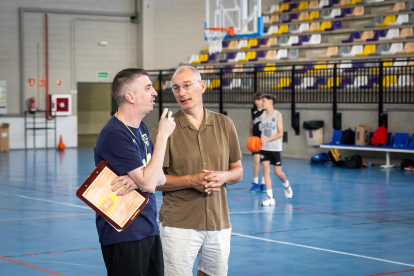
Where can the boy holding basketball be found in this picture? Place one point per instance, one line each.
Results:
(270, 154)
(256, 130)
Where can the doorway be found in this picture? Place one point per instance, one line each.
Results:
(95, 107)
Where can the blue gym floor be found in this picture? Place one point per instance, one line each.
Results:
(339, 221)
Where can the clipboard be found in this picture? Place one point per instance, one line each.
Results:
(118, 211)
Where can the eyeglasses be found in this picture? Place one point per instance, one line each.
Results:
(185, 86)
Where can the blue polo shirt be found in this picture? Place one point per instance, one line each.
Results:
(124, 153)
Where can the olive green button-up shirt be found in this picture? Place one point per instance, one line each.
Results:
(213, 147)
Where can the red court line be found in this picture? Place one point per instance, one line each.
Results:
(389, 273)
(35, 267)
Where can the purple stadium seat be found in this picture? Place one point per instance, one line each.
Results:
(319, 82)
(229, 56)
(373, 80)
(377, 35)
(354, 35)
(211, 58)
(226, 82)
(228, 69)
(344, 12)
(335, 26)
(331, 3)
(291, 17)
(225, 43)
(302, 39)
(259, 54)
(345, 82)
(265, 30)
(355, 66)
(260, 41)
(287, 1)
(292, 6)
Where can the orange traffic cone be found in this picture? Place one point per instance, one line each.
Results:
(61, 145)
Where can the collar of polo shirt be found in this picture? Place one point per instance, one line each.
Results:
(184, 122)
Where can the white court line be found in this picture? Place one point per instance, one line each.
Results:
(248, 212)
(321, 249)
(45, 200)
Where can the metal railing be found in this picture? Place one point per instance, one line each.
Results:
(359, 82)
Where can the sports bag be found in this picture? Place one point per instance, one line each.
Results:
(335, 157)
(353, 162)
(380, 136)
(348, 137)
(320, 158)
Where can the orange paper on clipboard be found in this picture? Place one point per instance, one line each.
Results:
(119, 211)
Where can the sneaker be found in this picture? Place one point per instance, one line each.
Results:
(263, 188)
(268, 202)
(288, 192)
(254, 188)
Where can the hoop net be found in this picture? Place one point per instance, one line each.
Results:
(215, 38)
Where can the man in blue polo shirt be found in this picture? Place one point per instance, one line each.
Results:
(124, 142)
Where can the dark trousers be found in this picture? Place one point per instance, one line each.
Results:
(137, 258)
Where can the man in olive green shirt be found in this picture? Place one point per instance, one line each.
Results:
(202, 156)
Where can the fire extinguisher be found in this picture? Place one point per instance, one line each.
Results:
(31, 105)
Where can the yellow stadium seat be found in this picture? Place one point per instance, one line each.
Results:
(353, 2)
(215, 83)
(367, 50)
(270, 69)
(318, 66)
(157, 84)
(250, 44)
(302, 5)
(387, 63)
(283, 29)
(330, 83)
(249, 56)
(201, 58)
(284, 82)
(312, 15)
(324, 25)
(283, 7)
(387, 81)
(387, 21)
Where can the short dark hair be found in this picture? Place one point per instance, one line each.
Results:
(257, 96)
(123, 81)
(269, 97)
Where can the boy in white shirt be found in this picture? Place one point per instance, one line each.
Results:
(270, 154)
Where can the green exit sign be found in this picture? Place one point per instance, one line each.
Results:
(102, 75)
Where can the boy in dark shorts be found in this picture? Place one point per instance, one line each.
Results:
(256, 130)
(270, 154)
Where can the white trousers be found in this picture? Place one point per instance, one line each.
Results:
(182, 246)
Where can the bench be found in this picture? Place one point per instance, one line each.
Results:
(400, 145)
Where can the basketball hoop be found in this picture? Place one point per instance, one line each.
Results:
(215, 37)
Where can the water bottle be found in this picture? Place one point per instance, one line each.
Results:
(369, 164)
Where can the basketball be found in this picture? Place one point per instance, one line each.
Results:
(254, 144)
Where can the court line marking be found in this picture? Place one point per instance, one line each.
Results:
(326, 213)
(32, 266)
(321, 249)
(45, 200)
(246, 212)
(62, 216)
(389, 273)
(68, 263)
(38, 182)
(55, 252)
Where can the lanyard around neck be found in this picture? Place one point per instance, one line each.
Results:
(142, 137)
